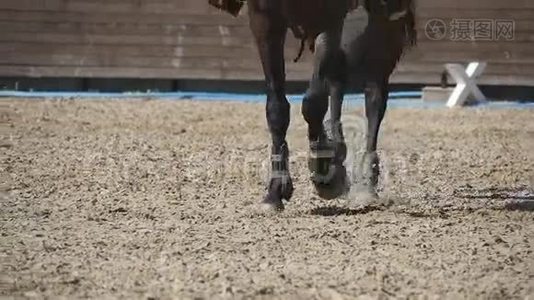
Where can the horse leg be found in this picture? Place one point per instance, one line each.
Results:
(337, 184)
(315, 105)
(337, 80)
(270, 38)
(376, 96)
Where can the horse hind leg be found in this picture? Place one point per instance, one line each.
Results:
(270, 37)
(277, 114)
(376, 96)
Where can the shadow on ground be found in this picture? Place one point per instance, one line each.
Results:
(331, 211)
(516, 198)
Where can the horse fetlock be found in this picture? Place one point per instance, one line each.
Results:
(320, 156)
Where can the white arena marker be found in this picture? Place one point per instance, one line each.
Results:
(465, 83)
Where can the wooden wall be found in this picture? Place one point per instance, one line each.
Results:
(187, 39)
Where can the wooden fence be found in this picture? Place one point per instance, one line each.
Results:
(187, 39)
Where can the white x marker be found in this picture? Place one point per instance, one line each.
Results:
(465, 83)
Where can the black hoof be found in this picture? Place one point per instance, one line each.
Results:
(280, 188)
(335, 186)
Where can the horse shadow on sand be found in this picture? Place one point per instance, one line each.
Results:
(331, 211)
(513, 199)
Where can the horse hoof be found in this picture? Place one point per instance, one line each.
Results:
(367, 196)
(286, 191)
(335, 186)
(280, 187)
(363, 197)
(271, 205)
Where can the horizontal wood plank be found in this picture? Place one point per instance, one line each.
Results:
(190, 39)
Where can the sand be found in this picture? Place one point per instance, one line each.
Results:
(158, 200)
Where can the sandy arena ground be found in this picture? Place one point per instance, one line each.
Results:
(154, 199)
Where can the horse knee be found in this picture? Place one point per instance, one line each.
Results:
(376, 95)
(314, 107)
(277, 111)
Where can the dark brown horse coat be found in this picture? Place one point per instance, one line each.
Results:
(307, 18)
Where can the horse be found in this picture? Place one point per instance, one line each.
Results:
(319, 25)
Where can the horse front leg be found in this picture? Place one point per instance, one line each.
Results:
(376, 96)
(325, 159)
(270, 37)
(337, 82)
